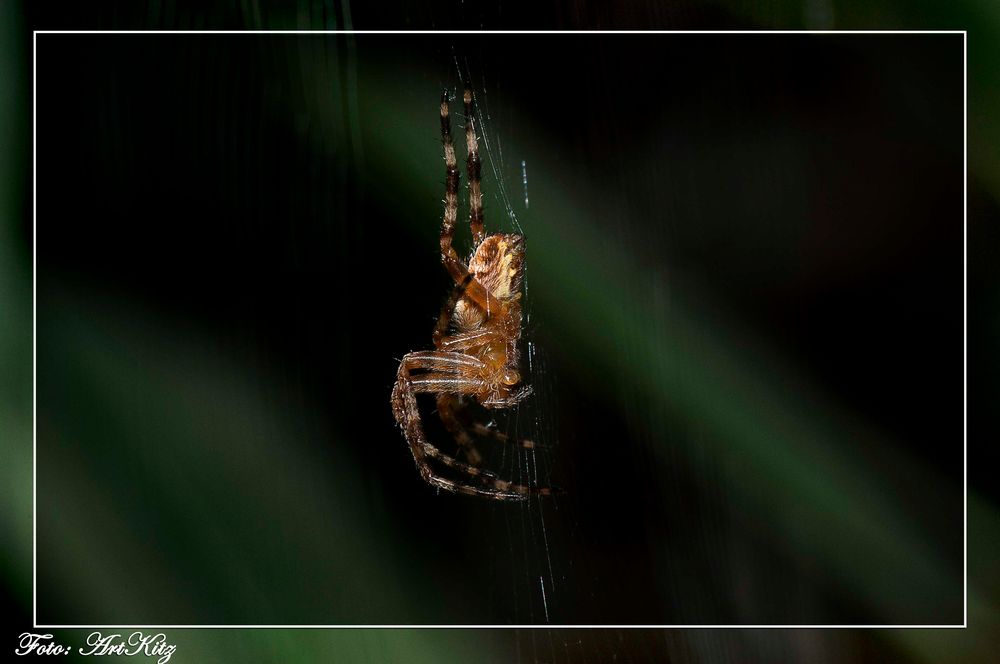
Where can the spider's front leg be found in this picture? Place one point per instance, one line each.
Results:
(511, 400)
(447, 407)
(443, 374)
(465, 341)
(454, 413)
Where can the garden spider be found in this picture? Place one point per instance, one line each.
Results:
(479, 359)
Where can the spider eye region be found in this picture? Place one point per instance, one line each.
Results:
(511, 377)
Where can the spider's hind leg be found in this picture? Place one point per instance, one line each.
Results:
(474, 167)
(451, 182)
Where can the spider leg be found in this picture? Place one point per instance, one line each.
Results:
(492, 484)
(454, 413)
(510, 401)
(473, 166)
(459, 271)
(410, 420)
(450, 182)
(484, 431)
(453, 463)
(446, 407)
(444, 318)
(441, 360)
(404, 406)
(435, 382)
(469, 489)
(464, 341)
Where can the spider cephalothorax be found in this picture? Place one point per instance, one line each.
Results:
(476, 338)
(497, 264)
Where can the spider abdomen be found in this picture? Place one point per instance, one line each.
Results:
(498, 264)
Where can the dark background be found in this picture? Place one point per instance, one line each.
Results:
(745, 275)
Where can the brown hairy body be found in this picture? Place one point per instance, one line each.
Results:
(476, 339)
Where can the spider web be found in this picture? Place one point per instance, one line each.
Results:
(541, 534)
(535, 583)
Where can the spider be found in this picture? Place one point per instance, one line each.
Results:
(475, 338)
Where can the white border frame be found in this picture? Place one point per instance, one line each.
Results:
(965, 250)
